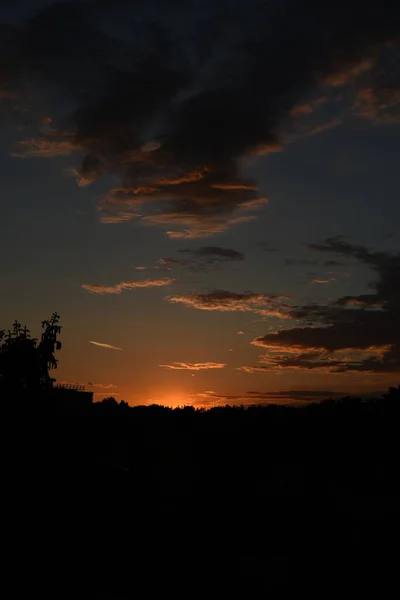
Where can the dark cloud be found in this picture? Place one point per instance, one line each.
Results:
(266, 247)
(201, 259)
(292, 262)
(207, 257)
(353, 333)
(171, 97)
(301, 395)
(168, 264)
(332, 263)
(380, 104)
(289, 397)
(213, 253)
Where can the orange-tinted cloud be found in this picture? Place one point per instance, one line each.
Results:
(224, 301)
(202, 207)
(44, 147)
(307, 108)
(348, 72)
(195, 227)
(118, 217)
(233, 186)
(180, 133)
(103, 345)
(322, 280)
(265, 148)
(185, 178)
(317, 360)
(211, 399)
(350, 334)
(301, 109)
(317, 129)
(183, 366)
(127, 285)
(378, 105)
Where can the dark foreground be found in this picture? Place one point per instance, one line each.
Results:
(245, 504)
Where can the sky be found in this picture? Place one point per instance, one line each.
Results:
(206, 192)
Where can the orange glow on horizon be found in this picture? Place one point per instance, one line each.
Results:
(171, 398)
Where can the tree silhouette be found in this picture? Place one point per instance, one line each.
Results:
(47, 347)
(25, 362)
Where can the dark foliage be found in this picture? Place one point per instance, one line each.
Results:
(25, 362)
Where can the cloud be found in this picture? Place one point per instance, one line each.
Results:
(127, 285)
(317, 360)
(215, 253)
(182, 366)
(102, 345)
(265, 247)
(170, 261)
(198, 259)
(207, 257)
(291, 262)
(348, 72)
(321, 128)
(299, 110)
(322, 280)
(298, 395)
(168, 264)
(172, 116)
(379, 104)
(45, 147)
(211, 399)
(196, 226)
(332, 263)
(353, 333)
(224, 301)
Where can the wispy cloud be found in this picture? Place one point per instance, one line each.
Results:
(307, 108)
(224, 301)
(348, 72)
(127, 285)
(45, 147)
(294, 262)
(205, 258)
(168, 264)
(211, 399)
(183, 366)
(322, 280)
(321, 128)
(103, 345)
(213, 254)
(194, 226)
(379, 105)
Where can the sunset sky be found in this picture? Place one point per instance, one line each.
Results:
(207, 192)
